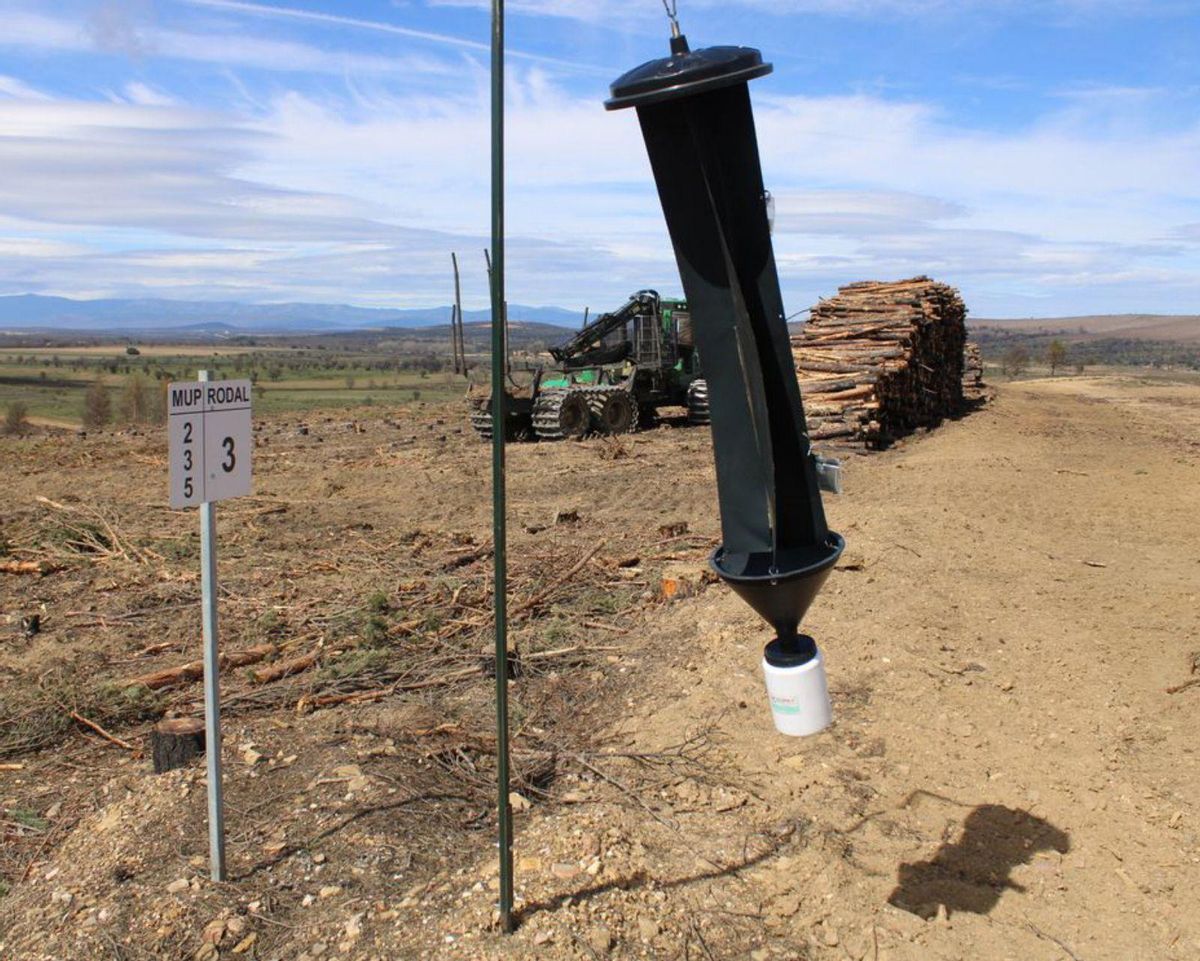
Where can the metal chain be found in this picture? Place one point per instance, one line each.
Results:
(672, 8)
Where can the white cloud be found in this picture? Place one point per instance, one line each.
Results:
(626, 11)
(145, 41)
(273, 11)
(146, 96)
(360, 196)
(19, 90)
(116, 26)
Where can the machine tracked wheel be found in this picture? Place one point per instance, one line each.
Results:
(559, 414)
(481, 420)
(697, 403)
(612, 408)
(618, 414)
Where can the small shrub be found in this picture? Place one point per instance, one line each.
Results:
(1016, 360)
(16, 418)
(362, 660)
(97, 405)
(375, 631)
(135, 401)
(29, 818)
(123, 703)
(179, 548)
(1056, 355)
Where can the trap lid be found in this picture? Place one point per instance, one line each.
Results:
(685, 73)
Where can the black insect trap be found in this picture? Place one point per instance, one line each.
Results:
(695, 114)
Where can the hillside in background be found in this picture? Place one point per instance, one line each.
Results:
(1180, 328)
(27, 312)
(1134, 340)
(32, 312)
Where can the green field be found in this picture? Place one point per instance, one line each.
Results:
(52, 381)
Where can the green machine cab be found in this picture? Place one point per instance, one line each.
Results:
(609, 378)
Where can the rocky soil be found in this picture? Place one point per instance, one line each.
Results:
(1012, 772)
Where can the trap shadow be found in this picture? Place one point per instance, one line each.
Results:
(971, 873)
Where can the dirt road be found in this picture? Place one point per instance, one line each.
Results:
(1007, 776)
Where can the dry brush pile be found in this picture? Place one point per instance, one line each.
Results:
(404, 618)
(879, 360)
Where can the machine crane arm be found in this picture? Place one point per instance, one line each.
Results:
(585, 348)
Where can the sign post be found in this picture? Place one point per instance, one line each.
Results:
(209, 437)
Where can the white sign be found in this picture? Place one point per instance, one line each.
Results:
(208, 433)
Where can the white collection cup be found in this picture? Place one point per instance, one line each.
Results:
(799, 696)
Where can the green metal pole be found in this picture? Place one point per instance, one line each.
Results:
(499, 423)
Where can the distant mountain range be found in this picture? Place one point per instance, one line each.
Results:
(32, 313)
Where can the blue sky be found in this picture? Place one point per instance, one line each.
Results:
(1042, 155)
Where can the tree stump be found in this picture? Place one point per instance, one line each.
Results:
(175, 742)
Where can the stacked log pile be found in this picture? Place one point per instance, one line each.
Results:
(972, 372)
(881, 359)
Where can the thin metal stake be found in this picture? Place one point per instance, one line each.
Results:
(456, 323)
(212, 693)
(499, 425)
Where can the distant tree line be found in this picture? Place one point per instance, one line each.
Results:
(1015, 352)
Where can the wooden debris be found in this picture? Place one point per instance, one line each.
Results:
(881, 359)
(175, 742)
(684, 580)
(281, 669)
(96, 536)
(524, 607)
(29, 567)
(972, 380)
(92, 725)
(194, 670)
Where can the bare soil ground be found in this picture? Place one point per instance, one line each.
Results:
(1007, 775)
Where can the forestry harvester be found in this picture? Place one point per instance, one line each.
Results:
(609, 378)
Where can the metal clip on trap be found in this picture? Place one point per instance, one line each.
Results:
(776, 552)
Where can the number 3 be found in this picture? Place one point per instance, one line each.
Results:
(227, 465)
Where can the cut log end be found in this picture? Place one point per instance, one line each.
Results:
(175, 742)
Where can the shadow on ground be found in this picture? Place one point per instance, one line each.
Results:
(971, 873)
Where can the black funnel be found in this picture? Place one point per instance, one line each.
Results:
(695, 114)
(781, 593)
